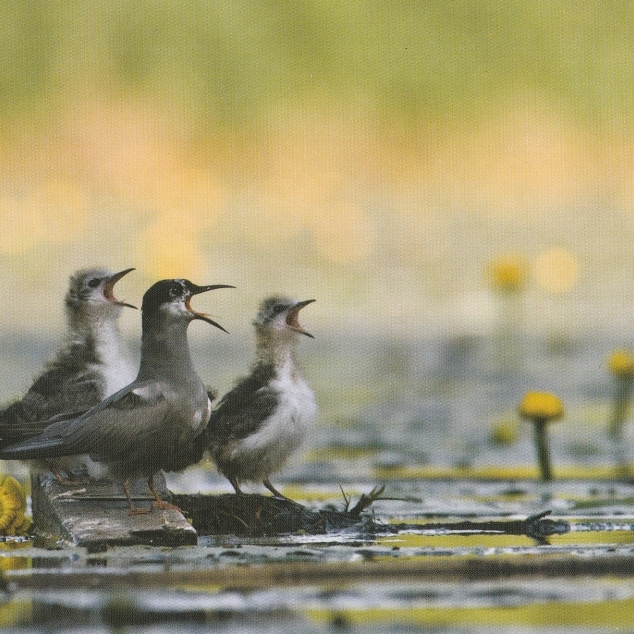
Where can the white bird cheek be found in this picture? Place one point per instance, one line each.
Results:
(175, 309)
(279, 323)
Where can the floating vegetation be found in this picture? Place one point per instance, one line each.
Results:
(257, 515)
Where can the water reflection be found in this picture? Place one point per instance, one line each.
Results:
(9, 545)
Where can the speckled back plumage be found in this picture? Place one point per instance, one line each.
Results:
(242, 410)
(79, 376)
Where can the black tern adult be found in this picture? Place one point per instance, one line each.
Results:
(152, 423)
(264, 418)
(90, 366)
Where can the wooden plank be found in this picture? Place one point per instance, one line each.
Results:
(95, 515)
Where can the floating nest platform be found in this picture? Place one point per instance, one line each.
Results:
(260, 516)
(95, 515)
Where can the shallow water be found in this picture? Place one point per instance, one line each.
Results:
(417, 416)
(72, 588)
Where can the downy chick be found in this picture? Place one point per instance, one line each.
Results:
(264, 418)
(90, 366)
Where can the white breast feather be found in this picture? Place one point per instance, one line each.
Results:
(114, 367)
(116, 378)
(284, 431)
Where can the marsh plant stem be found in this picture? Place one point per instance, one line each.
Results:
(621, 407)
(543, 454)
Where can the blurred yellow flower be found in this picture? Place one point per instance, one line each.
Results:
(12, 507)
(508, 273)
(504, 432)
(541, 405)
(621, 363)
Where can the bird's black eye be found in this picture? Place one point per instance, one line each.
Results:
(94, 282)
(279, 308)
(176, 290)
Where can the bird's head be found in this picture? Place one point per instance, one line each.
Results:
(279, 314)
(94, 288)
(172, 298)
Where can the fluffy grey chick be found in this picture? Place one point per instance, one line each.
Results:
(264, 418)
(90, 366)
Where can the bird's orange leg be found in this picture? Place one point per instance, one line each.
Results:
(158, 502)
(134, 510)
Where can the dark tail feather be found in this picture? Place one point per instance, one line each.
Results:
(29, 450)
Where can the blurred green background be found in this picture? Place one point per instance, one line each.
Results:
(374, 155)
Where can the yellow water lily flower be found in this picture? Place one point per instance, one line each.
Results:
(621, 363)
(12, 507)
(541, 405)
(541, 408)
(508, 273)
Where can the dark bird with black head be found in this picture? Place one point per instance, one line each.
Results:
(151, 424)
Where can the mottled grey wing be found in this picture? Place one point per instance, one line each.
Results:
(241, 411)
(52, 394)
(120, 428)
(111, 428)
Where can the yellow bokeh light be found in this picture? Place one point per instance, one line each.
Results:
(556, 270)
(344, 234)
(170, 249)
(51, 212)
(189, 202)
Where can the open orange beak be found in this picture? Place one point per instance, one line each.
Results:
(292, 320)
(109, 288)
(196, 290)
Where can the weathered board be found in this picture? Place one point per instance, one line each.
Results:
(95, 514)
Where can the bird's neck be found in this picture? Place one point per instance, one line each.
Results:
(99, 333)
(275, 352)
(165, 350)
